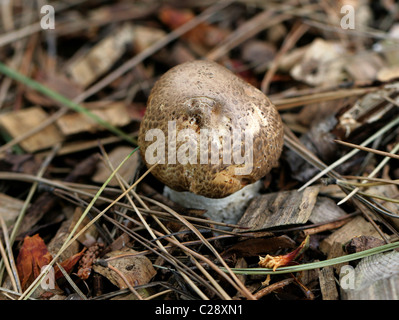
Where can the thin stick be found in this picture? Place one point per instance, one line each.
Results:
(10, 254)
(105, 81)
(380, 180)
(372, 174)
(28, 199)
(269, 289)
(379, 152)
(20, 33)
(234, 280)
(122, 184)
(165, 255)
(289, 42)
(380, 132)
(71, 282)
(32, 191)
(120, 274)
(8, 267)
(156, 295)
(250, 28)
(289, 103)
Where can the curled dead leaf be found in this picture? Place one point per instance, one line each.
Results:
(34, 255)
(273, 262)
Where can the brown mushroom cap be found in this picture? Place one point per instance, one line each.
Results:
(204, 95)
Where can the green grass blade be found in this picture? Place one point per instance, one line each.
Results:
(318, 264)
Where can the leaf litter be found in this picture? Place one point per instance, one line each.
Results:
(72, 96)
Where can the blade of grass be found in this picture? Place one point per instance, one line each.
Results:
(318, 264)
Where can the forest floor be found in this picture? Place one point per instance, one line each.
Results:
(75, 80)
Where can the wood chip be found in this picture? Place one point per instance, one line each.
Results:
(280, 208)
(327, 284)
(144, 37)
(16, 123)
(387, 74)
(376, 277)
(326, 210)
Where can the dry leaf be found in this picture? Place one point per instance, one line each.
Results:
(32, 256)
(137, 269)
(68, 264)
(17, 123)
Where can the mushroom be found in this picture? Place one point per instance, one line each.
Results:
(213, 137)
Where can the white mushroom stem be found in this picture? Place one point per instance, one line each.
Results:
(226, 210)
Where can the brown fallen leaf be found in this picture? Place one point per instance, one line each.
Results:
(68, 264)
(34, 255)
(274, 262)
(135, 269)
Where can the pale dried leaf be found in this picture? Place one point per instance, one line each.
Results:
(137, 269)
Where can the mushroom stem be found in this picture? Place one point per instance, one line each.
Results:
(226, 210)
